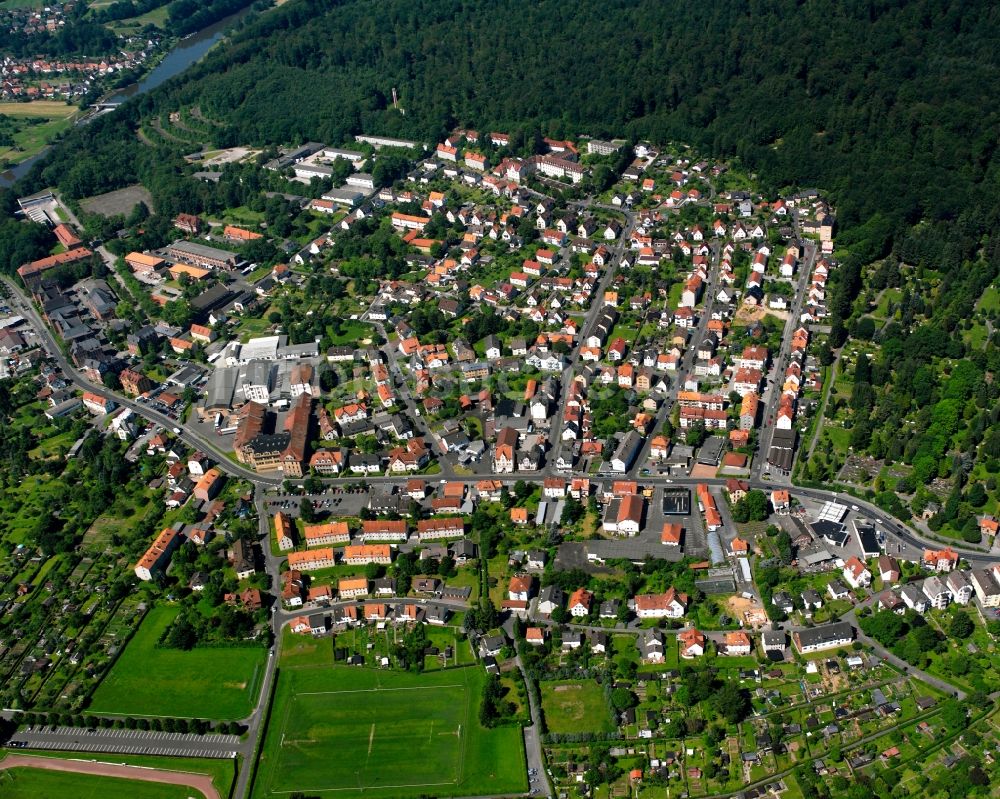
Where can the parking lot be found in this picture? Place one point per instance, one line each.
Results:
(136, 742)
(335, 501)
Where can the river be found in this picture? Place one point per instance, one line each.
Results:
(185, 53)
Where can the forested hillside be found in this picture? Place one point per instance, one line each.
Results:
(891, 105)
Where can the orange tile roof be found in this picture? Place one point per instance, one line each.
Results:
(311, 532)
(671, 533)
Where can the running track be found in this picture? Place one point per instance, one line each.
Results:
(200, 782)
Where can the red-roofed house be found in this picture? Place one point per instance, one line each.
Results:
(691, 643)
(671, 535)
(669, 605)
(520, 587)
(856, 573)
(579, 602)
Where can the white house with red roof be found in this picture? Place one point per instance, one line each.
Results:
(856, 573)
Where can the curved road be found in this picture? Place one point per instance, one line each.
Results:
(188, 434)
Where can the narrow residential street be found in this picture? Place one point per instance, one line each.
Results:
(899, 663)
(772, 394)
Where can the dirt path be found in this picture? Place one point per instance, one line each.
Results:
(199, 782)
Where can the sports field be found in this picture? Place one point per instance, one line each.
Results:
(575, 706)
(350, 731)
(206, 774)
(30, 783)
(202, 683)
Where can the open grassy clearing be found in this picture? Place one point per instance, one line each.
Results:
(575, 706)
(351, 332)
(990, 300)
(349, 731)
(202, 683)
(157, 17)
(33, 125)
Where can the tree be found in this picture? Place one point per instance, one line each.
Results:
(961, 625)
(977, 496)
(732, 702)
(306, 511)
(327, 379)
(489, 710)
(865, 328)
(885, 627)
(954, 714)
(182, 634)
(622, 699)
(783, 543)
(696, 435)
(752, 508)
(573, 511)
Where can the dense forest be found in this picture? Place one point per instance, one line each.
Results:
(889, 105)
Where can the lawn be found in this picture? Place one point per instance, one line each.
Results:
(351, 332)
(202, 683)
(575, 706)
(383, 733)
(252, 327)
(304, 650)
(990, 300)
(881, 310)
(31, 783)
(157, 17)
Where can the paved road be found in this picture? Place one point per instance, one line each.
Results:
(899, 663)
(226, 464)
(780, 362)
(686, 367)
(586, 329)
(193, 437)
(255, 722)
(532, 739)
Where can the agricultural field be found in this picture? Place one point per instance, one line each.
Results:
(575, 706)
(359, 731)
(201, 683)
